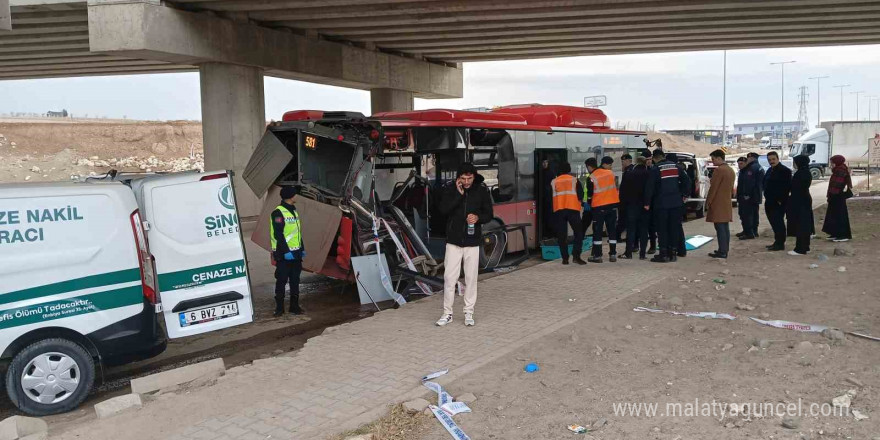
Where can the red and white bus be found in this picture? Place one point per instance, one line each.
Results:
(404, 159)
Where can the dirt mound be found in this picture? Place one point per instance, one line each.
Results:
(682, 143)
(46, 151)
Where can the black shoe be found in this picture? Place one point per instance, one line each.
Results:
(659, 259)
(776, 248)
(564, 261)
(595, 259)
(740, 234)
(612, 258)
(627, 256)
(278, 312)
(683, 254)
(579, 260)
(297, 311)
(642, 257)
(652, 250)
(747, 237)
(717, 255)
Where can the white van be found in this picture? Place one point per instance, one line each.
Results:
(86, 268)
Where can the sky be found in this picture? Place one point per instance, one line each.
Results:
(669, 90)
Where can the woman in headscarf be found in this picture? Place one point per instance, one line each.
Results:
(800, 206)
(837, 217)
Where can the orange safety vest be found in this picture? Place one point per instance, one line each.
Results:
(565, 193)
(604, 189)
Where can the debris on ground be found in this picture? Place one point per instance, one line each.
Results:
(711, 315)
(719, 281)
(858, 415)
(791, 422)
(531, 368)
(841, 269)
(791, 325)
(435, 375)
(416, 405)
(836, 336)
(577, 429)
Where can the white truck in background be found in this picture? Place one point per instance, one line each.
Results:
(91, 272)
(848, 139)
(771, 143)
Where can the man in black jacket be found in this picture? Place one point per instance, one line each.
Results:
(626, 164)
(666, 190)
(777, 188)
(749, 189)
(288, 250)
(632, 197)
(467, 205)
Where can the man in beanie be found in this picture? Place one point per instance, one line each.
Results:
(287, 250)
(467, 205)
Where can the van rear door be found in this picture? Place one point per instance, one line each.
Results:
(194, 237)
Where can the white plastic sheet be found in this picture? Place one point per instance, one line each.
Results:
(711, 315)
(811, 328)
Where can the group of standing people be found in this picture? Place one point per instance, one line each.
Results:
(786, 195)
(650, 200)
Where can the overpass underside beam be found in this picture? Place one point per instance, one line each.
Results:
(145, 30)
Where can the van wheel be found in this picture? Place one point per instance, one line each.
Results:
(50, 376)
(816, 173)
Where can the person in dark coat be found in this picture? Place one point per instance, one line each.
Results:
(666, 190)
(800, 206)
(749, 189)
(681, 249)
(632, 197)
(652, 230)
(626, 164)
(836, 223)
(777, 188)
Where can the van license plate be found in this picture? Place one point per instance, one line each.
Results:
(208, 314)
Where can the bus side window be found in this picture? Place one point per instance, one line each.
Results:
(507, 187)
(524, 147)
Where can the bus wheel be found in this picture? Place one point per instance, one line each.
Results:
(50, 376)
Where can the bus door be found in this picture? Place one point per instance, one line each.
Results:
(547, 161)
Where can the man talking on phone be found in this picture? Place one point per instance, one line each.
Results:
(466, 204)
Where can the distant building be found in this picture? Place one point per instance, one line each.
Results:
(761, 129)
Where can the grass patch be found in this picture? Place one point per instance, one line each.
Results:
(397, 424)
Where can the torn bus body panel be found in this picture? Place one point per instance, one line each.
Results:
(333, 159)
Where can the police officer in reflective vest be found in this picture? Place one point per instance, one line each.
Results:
(287, 250)
(604, 200)
(567, 196)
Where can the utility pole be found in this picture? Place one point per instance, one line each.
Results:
(724, 104)
(841, 87)
(870, 105)
(782, 91)
(819, 98)
(857, 101)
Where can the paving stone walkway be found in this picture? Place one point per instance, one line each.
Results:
(350, 374)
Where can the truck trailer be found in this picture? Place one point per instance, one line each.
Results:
(847, 138)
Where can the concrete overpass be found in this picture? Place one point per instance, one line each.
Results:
(396, 49)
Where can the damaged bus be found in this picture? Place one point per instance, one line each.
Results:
(392, 166)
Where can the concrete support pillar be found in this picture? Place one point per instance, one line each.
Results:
(390, 100)
(233, 121)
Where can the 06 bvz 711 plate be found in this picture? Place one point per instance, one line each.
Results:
(208, 314)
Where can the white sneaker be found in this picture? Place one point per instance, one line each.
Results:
(469, 319)
(445, 319)
(840, 240)
(795, 254)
